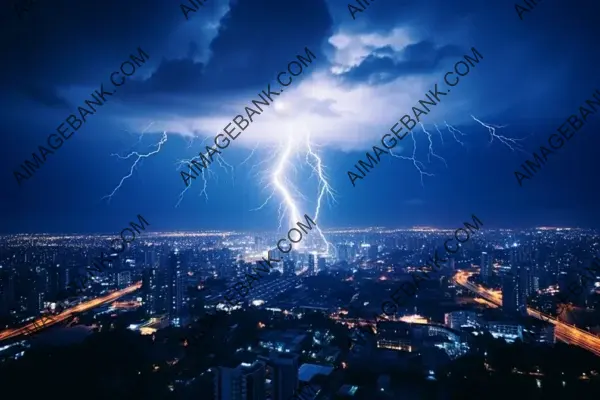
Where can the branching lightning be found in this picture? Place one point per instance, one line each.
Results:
(431, 152)
(457, 134)
(205, 173)
(279, 183)
(454, 131)
(324, 188)
(418, 164)
(509, 142)
(278, 170)
(139, 156)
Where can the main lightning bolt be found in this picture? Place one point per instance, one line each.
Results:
(325, 188)
(279, 179)
(281, 185)
(138, 158)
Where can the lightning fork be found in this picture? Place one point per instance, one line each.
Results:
(249, 156)
(453, 131)
(139, 156)
(509, 142)
(431, 152)
(187, 162)
(440, 132)
(324, 187)
(144, 131)
(418, 164)
(203, 173)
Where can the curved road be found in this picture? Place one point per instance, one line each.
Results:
(563, 332)
(44, 322)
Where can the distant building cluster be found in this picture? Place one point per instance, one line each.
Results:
(182, 276)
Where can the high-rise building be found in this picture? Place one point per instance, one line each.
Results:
(510, 298)
(150, 257)
(151, 292)
(258, 243)
(284, 367)
(372, 252)
(311, 264)
(224, 271)
(276, 254)
(458, 319)
(321, 263)
(526, 285)
(123, 279)
(176, 287)
(289, 268)
(486, 267)
(7, 290)
(522, 269)
(342, 252)
(244, 382)
(451, 265)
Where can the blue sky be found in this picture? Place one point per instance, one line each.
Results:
(368, 72)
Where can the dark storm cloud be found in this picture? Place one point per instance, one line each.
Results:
(420, 58)
(429, 15)
(66, 42)
(539, 68)
(43, 94)
(251, 46)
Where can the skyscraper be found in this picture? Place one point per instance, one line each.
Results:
(486, 267)
(289, 268)
(342, 252)
(244, 382)
(510, 298)
(258, 243)
(523, 270)
(123, 279)
(321, 263)
(150, 257)
(7, 291)
(175, 286)
(372, 251)
(311, 264)
(285, 375)
(150, 290)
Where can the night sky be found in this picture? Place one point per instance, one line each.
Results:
(368, 73)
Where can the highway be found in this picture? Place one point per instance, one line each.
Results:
(45, 321)
(566, 333)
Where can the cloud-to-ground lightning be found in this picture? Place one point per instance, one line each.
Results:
(325, 188)
(276, 173)
(280, 182)
(139, 156)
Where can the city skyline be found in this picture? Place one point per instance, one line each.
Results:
(328, 230)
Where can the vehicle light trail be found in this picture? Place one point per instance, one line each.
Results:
(566, 333)
(45, 322)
